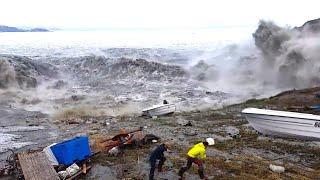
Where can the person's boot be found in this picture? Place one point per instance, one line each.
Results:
(181, 174)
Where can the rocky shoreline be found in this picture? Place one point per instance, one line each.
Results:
(240, 152)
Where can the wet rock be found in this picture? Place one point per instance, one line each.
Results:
(232, 131)
(188, 124)
(77, 97)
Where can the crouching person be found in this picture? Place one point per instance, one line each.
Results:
(197, 155)
(157, 154)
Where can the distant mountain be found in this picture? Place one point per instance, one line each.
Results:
(38, 30)
(14, 29)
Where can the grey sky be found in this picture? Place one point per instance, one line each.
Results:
(155, 14)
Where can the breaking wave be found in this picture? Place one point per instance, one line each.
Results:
(274, 59)
(290, 56)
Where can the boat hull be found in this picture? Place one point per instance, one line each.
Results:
(160, 110)
(285, 126)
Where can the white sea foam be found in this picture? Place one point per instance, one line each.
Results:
(7, 129)
(10, 141)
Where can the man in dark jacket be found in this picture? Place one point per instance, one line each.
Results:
(157, 154)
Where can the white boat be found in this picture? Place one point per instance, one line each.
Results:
(283, 123)
(158, 110)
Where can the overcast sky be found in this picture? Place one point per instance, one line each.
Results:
(155, 13)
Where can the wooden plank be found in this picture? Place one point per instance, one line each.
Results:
(36, 166)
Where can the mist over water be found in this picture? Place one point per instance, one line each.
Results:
(290, 55)
(124, 71)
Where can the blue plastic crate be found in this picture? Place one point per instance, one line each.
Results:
(72, 150)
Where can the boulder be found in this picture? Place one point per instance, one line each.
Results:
(277, 169)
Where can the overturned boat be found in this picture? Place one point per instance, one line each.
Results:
(283, 123)
(158, 110)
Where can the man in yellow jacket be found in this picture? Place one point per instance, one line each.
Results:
(197, 155)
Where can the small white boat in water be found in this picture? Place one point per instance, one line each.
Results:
(283, 123)
(158, 110)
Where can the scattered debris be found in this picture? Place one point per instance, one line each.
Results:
(114, 151)
(121, 139)
(150, 138)
(70, 171)
(36, 165)
(277, 169)
(73, 150)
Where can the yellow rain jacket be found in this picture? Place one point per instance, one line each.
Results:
(198, 151)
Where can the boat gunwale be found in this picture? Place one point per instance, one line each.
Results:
(161, 105)
(275, 120)
(291, 117)
(288, 129)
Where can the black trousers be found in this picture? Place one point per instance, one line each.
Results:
(191, 160)
(153, 166)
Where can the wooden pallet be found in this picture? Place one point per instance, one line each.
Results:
(36, 166)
